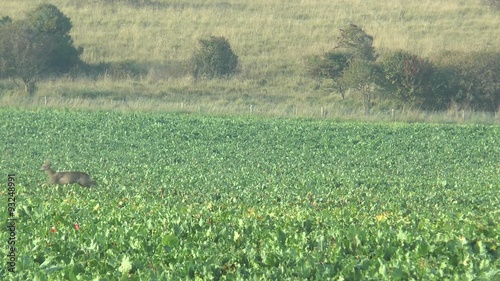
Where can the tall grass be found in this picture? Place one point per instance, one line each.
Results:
(224, 107)
(271, 38)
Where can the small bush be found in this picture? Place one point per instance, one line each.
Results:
(5, 20)
(214, 58)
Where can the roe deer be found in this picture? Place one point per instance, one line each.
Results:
(81, 178)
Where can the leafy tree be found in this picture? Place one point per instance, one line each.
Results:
(474, 78)
(214, 58)
(37, 46)
(330, 65)
(362, 76)
(350, 65)
(354, 40)
(23, 55)
(47, 18)
(409, 79)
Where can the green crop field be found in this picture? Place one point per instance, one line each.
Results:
(198, 197)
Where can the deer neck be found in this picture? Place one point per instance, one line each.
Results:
(50, 172)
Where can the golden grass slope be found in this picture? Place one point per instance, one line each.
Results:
(271, 38)
(267, 32)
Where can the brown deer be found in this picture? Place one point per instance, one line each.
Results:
(81, 178)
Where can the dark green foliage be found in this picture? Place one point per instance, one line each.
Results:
(468, 80)
(408, 79)
(214, 58)
(23, 54)
(38, 46)
(5, 20)
(473, 79)
(354, 40)
(330, 64)
(47, 18)
(362, 76)
(353, 43)
(349, 65)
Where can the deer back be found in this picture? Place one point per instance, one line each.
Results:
(81, 178)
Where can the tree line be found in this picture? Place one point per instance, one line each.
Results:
(401, 79)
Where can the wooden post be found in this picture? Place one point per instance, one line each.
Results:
(463, 114)
(45, 98)
(392, 114)
(323, 112)
(251, 108)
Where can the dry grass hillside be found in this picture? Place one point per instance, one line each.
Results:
(271, 38)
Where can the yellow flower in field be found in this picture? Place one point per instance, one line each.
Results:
(382, 217)
(462, 240)
(236, 236)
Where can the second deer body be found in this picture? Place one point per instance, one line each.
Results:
(81, 178)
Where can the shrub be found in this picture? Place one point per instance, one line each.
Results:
(408, 79)
(214, 58)
(5, 20)
(474, 78)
